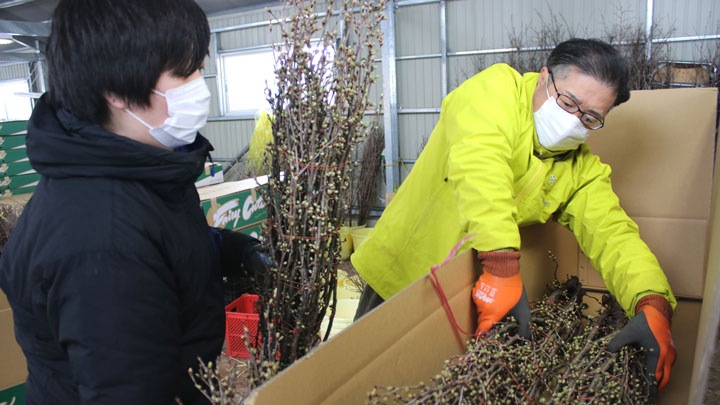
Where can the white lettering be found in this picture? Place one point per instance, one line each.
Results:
(486, 293)
(227, 213)
(250, 206)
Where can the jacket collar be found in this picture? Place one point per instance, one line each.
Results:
(61, 145)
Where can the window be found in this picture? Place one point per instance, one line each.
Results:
(14, 106)
(247, 74)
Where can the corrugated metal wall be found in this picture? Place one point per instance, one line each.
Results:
(17, 71)
(477, 31)
(239, 32)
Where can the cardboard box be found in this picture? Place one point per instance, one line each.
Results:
(19, 181)
(407, 339)
(18, 191)
(213, 174)
(254, 230)
(662, 173)
(16, 168)
(12, 141)
(14, 368)
(13, 395)
(13, 155)
(234, 205)
(13, 128)
(660, 145)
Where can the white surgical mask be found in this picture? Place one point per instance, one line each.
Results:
(188, 110)
(557, 129)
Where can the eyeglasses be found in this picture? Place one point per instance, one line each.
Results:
(590, 120)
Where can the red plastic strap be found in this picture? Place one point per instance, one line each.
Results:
(440, 290)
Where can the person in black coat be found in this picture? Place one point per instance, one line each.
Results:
(112, 272)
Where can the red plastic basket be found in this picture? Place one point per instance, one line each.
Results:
(241, 314)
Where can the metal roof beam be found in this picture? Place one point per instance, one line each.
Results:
(31, 29)
(13, 3)
(18, 57)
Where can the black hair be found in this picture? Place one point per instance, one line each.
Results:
(595, 58)
(98, 47)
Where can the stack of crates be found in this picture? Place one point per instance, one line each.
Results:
(16, 174)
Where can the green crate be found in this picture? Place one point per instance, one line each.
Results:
(15, 168)
(11, 141)
(13, 155)
(12, 127)
(13, 395)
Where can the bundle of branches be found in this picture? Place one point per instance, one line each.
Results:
(366, 178)
(595, 375)
(10, 211)
(499, 367)
(322, 94)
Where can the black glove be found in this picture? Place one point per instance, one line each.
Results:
(257, 260)
(241, 256)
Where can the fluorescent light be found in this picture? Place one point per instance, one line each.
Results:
(5, 41)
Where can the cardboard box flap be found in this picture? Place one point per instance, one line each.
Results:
(230, 187)
(409, 319)
(708, 332)
(660, 147)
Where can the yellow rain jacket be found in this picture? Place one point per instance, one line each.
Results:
(484, 172)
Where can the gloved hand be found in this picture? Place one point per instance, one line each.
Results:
(257, 260)
(650, 329)
(241, 256)
(499, 292)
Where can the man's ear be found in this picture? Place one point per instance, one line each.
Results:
(544, 73)
(116, 101)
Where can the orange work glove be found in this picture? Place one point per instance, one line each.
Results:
(499, 292)
(650, 329)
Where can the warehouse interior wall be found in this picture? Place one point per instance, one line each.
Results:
(438, 44)
(454, 39)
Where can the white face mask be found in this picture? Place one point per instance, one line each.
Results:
(557, 129)
(188, 110)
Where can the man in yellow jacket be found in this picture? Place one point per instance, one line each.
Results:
(508, 151)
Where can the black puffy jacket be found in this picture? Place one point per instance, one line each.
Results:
(111, 271)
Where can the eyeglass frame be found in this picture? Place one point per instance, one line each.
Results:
(577, 108)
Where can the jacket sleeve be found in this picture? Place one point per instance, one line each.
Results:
(610, 238)
(480, 120)
(118, 320)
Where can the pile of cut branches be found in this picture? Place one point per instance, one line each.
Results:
(566, 361)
